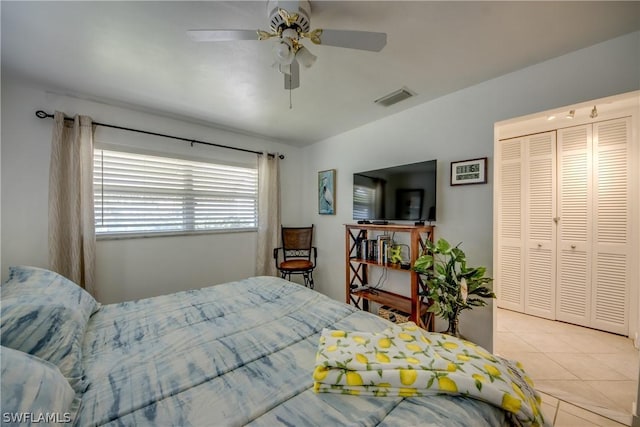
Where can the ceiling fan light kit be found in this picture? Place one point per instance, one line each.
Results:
(283, 52)
(289, 22)
(305, 57)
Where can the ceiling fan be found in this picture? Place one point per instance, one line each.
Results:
(290, 23)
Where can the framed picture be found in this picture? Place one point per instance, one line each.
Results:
(327, 192)
(472, 171)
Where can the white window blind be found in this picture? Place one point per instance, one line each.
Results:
(363, 202)
(144, 194)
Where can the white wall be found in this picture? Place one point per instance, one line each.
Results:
(129, 268)
(456, 127)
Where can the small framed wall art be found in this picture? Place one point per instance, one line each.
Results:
(327, 192)
(473, 171)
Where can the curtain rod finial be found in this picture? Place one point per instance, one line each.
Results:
(42, 115)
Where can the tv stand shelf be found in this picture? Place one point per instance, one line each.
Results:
(357, 271)
(390, 299)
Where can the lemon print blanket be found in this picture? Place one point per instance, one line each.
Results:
(407, 361)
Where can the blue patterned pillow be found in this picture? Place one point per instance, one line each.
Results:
(34, 388)
(44, 314)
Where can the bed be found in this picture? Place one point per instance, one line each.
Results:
(240, 353)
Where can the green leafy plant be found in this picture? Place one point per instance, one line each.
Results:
(451, 286)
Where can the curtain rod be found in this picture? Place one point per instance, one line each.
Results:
(43, 115)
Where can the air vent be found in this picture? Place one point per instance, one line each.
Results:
(394, 97)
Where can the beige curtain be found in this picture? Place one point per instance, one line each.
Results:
(72, 239)
(268, 214)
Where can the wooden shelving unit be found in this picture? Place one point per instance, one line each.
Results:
(357, 271)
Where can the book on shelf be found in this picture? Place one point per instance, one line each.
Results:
(361, 248)
(374, 249)
(372, 255)
(383, 242)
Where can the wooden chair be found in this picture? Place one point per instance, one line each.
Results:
(297, 255)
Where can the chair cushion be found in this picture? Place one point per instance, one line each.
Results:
(296, 265)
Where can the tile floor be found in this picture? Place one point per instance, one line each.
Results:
(586, 377)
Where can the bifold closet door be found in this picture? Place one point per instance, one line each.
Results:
(573, 296)
(511, 245)
(526, 248)
(594, 240)
(540, 228)
(612, 229)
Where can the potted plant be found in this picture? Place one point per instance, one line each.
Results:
(451, 286)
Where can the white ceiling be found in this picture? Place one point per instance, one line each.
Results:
(137, 53)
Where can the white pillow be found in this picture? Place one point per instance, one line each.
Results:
(45, 314)
(33, 391)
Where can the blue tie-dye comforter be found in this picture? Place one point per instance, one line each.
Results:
(235, 354)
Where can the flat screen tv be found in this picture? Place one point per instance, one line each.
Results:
(398, 193)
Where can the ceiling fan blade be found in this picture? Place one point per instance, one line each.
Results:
(222, 35)
(363, 40)
(292, 80)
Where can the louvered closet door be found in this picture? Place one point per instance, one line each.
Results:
(510, 266)
(540, 208)
(573, 291)
(611, 237)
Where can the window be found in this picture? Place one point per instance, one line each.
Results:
(144, 194)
